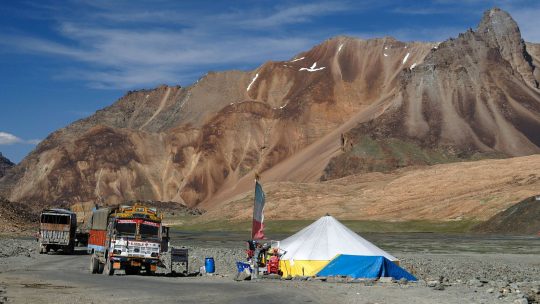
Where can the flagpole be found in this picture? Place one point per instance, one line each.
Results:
(255, 273)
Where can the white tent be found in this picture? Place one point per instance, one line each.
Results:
(309, 250)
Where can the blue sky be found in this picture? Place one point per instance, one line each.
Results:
(63, 60)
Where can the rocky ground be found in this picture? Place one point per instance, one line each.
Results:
(449, 277)
(17, 219)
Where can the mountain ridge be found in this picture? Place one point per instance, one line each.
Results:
(297, 120)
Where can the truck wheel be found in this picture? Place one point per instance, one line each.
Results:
(109, 270)
(94, 264)
(148, 272)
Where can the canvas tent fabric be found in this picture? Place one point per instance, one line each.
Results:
(368, 267)
(312, 248)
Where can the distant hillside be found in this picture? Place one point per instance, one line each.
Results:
(462, 191)
(5, 164)
(522, 218)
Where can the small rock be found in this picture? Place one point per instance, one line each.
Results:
(403, 281)
(272, 276)
(521, 301)
(490, 290)
(432, 283)
(300, 278)
(335, 279)
(386, 280)
(476, 283)
(242, 276)
(500, 284)
(439, 286)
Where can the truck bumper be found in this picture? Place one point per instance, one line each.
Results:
(122, 262)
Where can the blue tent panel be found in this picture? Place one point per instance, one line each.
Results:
(369, 267)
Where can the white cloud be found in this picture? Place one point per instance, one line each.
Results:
(10, 139)
(124, 46)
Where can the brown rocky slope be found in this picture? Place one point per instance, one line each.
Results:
(474, 190)
(184, 144)
(521, 218)
(474, 96)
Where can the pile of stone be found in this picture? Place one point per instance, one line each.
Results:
(16, 218)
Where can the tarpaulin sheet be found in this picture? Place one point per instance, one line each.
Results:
(369, 267)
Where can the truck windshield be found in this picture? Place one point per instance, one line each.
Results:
(126, 228)
(149, 229)
(48, 218)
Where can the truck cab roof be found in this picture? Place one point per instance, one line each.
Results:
(58, 211)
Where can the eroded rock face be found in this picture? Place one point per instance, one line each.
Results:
(185, 144)
(501, 32)
(467, 95)
(472, 97)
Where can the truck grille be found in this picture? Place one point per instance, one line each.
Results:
(55, 237)
(143, 251)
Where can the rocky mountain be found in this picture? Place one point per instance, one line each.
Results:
(346, 106)
(521, 218)
(5, 164)
(475, 96)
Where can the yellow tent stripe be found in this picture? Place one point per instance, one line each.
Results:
(301, 267)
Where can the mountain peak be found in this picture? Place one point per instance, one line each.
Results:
(498, 24)
(501, 31)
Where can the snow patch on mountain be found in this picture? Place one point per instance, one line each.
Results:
(252, 81)
(297, 59)
(406, 57)
(313, 68)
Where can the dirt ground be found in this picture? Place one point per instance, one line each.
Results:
(474, 271)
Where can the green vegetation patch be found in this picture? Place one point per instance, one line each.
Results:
(292, 226)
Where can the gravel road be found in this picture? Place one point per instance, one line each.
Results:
(466, 277)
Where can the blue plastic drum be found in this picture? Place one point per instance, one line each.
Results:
(209, 265)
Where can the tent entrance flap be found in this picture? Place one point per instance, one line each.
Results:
(301, 268)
